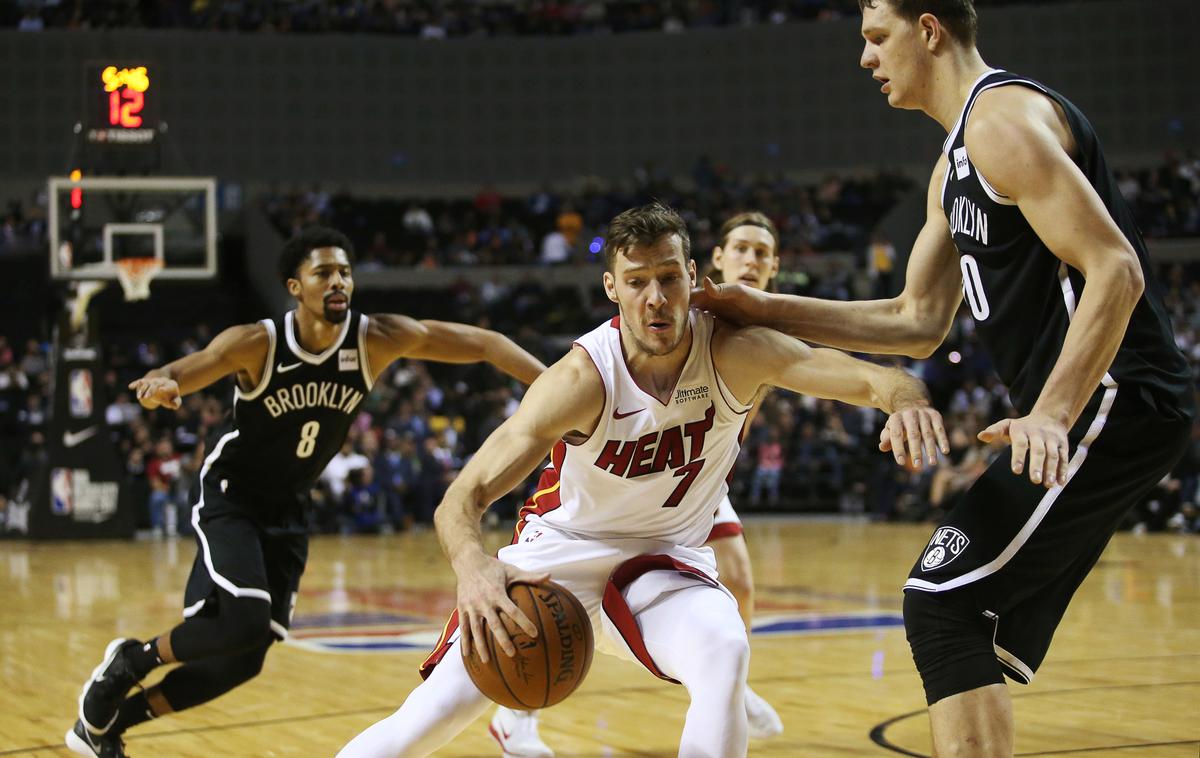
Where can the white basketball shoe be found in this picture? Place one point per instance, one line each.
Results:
(517, 733)
(762, 719)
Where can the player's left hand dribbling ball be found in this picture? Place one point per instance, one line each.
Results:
(546, 668)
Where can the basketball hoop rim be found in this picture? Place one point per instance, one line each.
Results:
(135, 275)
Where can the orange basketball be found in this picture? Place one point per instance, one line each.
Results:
(546, 668)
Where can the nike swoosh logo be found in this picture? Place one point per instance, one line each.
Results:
(618, 415)
(71, 439)
(284, 369)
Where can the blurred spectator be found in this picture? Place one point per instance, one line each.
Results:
(364, 504)
(398, 467)
(768, 470)
(881, 261)
(337, 473)
(162, 474)
(555, 248)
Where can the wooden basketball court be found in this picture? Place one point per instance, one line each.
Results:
(1123, 678)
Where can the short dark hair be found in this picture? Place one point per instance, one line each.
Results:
(958, 16)
(644, 225)
(299, 247)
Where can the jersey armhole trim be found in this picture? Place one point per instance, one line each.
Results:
(735, 405)
(945, 183)
(983, 182)
(363, 358)
(268, 369)
(603, 409)
(991, 191)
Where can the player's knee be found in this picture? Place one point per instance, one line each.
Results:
(954, 746)
(247, 624)
(254, 664)
(244, 667)
(951, 644)
(730, 650)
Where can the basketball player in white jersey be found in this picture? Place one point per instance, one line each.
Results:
(644, 415)
(748, 254)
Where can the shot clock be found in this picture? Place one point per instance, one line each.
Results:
(121, 132)
(121, 101)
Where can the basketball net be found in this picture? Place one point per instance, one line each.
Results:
(135, 275)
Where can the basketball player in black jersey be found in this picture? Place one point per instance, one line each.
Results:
(1025, 222)
(300, 379)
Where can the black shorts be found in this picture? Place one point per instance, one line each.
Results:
(1015, 552)
(239, 556)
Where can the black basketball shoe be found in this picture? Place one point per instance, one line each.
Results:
(102, 694)
(83, 742)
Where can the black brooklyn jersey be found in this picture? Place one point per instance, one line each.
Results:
(284, 431)
(1022, 297)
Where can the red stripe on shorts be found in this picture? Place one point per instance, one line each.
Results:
(618, 611)
(442, 646)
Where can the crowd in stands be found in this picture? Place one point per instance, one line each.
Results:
(1165, 199)
(424, 420)
(552, 226)
(426, 19)
(560, 226)
(23, 226)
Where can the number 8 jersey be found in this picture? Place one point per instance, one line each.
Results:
(284, 431)
(650, 470)
(1021, 296)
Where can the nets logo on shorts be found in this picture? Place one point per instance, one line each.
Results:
(947, 544)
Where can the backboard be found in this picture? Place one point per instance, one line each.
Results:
(96, 221)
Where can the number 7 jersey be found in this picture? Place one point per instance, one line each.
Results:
(650, 470)
(285, 430)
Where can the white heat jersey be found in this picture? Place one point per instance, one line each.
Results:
(650, 470)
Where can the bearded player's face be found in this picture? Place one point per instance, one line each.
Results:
(652, 284)
(323, 284)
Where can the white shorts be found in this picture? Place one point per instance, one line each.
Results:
(725, 522)
(613, 579)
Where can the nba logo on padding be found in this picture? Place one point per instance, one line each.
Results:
(947, 544)
(80, 384)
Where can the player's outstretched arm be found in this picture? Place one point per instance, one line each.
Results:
(1019, 141)
(567, 398)
(913, 323)
(392, 336)
(239, 349)
(750, 357)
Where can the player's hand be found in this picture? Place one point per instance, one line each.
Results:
(483, 599)
(1043, 438)
(157, 391)
(914, 434)
(733, 302)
